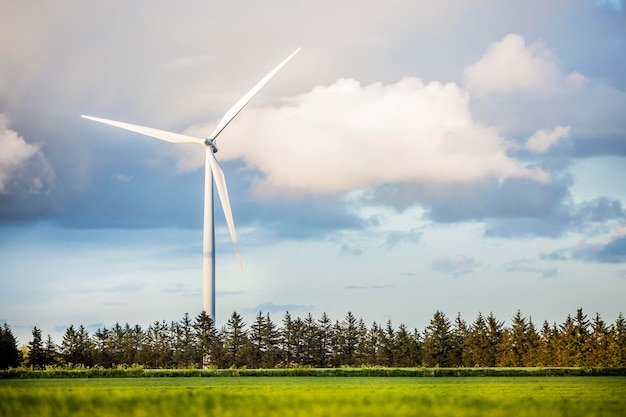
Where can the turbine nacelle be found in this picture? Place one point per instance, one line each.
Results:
(210, 143)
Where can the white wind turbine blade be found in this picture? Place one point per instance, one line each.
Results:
(222, 191)
(234, 111)
(148, 131)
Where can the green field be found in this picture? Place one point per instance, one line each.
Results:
(310, 396)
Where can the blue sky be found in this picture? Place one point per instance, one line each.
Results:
(461, 156)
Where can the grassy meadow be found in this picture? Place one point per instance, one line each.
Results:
(308, 396)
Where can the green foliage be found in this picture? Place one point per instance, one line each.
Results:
(195, 343)
(300, 396)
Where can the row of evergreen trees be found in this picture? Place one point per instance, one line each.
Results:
(485, 342)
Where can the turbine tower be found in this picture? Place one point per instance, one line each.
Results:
(212, 172)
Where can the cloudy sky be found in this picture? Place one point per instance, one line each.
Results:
(463, 156)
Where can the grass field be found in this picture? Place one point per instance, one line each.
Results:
(307, 396)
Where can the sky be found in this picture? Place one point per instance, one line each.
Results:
(414, 156)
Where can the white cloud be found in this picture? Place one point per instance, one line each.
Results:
(347, 136)
(543, 140)
(14, 152)
(510, 66)
(456, 266)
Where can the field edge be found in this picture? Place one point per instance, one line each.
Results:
(138, 372)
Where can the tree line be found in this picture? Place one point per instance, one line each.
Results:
(195, 343)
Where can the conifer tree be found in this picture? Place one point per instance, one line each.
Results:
(388, 345)
(310, 334)
(102, 355)
(348, 340)
(477, 344)
(373, 345)
(459, 356)
(9, 352)
(257, 347)
(438, 341)
(577, 342)
(530, 357)
(325, 337)
(271, 339)
(287, 340)
(546, 352)
(185, 353)
(235, 339)
(598, 344)
(407, 353)
(495, 331)
(159, 342)
(69, 347)
(51, 352)
(36, 352)
(618, 342)
(205, 339)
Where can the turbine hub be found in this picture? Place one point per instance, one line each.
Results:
(211, 144)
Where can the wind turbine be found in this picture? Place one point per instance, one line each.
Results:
(212, 171)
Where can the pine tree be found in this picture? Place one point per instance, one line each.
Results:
(159, 345)
(70, 347)
(204, 339)
(271, 339)
(51, 352)
(546, 351)
(102, 355)
(36, 353)
(477, 343)
(255, 335)
(9, 352)
(513, 345)
(325, 336)
(335, 342)
(373, 345)
(235, 339)
(185, 354)
(84, 347)
(530, 357)
(598, 344)
(310, 338)
(495, 331)
(580, 336)
(388, 345)
(116, 344)
(618, 342)
(459, 338)
(438, 344)
(407, 352)
(348, 340)
(136, 341)
(297, 341)
(287, 341)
